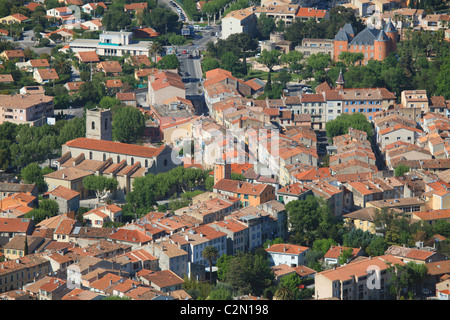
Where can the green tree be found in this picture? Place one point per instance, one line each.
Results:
(32, 173)
(101, 185)
(265, 26)
(223, 264)
(210, 64)
(284, 293)
(351, 58)
(323, 245)
(210, 253)
(270, 58)
(377, 247)
(116, 20)
(128, 125)
(221, 292)
(340, 125)
(169, 61)
(293, 60)
(249, 273)
(400, 170)
(49, 206)
(345, 256)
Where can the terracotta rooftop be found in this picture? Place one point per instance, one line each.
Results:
(115, 147)
(88, 56)
(64, 193)
(287, 248)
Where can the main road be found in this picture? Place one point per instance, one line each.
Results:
(190, 64)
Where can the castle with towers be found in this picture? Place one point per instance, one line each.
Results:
(373, 43)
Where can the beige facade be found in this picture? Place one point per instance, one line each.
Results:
(239, 21)
(26, 109)
(14, 275)
(366, 279)
(313, 46)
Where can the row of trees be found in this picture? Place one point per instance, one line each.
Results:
(22, 144)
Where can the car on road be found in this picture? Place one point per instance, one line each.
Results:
(184, 51)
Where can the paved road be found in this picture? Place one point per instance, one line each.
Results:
(27, 42)
(174, 8)
(190, 68)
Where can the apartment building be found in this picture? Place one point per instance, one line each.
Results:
(214, 209)
(249, 194)
(366, 279)
(285, 13)
(32, 109)
(15, 274)
(239, 21)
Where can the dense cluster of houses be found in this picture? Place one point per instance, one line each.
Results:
(272, 144)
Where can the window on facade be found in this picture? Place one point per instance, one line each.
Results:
(93, 125)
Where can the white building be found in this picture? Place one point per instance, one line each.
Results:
(289, 254)
(112, 43)
(239, 21)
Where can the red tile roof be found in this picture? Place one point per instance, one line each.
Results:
(134, 236)
(64, 193)
(311, 12)
(241, 187)
(287, 248)
(335, 251)
(115, 147)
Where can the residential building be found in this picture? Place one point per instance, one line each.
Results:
(417, 255)
(285, 13)
(32, 109)
(366, 279)
(248, 193)
(291, 192)
(289, 254)
(311, 46)
(164, 281)
(214, 209)
(68, 200)
(17, 273)
(170, 256)
(165, 85)
(98, 216)
(15, 248)
(334, 253)
(239, 21)
(15, 18)
(10, 227)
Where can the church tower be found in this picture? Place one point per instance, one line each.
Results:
(98, 124)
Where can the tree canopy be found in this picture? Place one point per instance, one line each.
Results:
(128, 124)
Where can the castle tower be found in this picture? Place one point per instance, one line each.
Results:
(98, 124)
(340, 81)
(381, 46)
(221, 171)
(392, 32)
